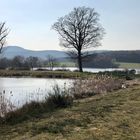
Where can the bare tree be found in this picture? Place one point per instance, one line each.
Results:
(32, 61)
(3, 35)
(51, 62)
(18, 62)
(79, 31)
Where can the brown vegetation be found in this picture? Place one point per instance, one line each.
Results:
(91, 86)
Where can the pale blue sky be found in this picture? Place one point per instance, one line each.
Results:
(30, 22)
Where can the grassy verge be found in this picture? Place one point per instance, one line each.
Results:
(44, 74)
(112, 116)
(58, 74)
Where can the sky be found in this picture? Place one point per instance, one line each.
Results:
(30, 22)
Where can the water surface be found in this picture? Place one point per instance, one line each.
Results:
(22, 90)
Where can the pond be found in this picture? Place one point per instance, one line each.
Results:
(22, 90)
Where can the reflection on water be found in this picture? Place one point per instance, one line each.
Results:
(22, 90)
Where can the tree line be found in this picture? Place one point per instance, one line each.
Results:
(124, 56)
(100, 61)
(29, 63)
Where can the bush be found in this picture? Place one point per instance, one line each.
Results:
(130, 74)
(126, 74)
(62, 70)
(59, 97)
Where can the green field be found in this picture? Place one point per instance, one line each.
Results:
(67, 64)
(129, 65)
(112, 116)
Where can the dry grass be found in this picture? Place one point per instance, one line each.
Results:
(91, 86)
(5, 104)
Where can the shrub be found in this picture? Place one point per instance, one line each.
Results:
(126, 74)
(130, 74)
(62, 69)
(59, 97)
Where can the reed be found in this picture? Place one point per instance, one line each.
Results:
(96, 85)
(5, 104)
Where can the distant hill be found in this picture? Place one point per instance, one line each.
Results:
(11, 51)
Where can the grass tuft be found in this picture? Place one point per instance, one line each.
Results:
(59, 97)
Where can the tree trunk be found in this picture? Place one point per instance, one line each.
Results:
(80, 61)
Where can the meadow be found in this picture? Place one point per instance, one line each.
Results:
(129, 65)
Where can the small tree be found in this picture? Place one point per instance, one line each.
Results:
(4, 63)
(18, 62)
(32, 61)
(79, 31)
(51, 62)
(3, 35)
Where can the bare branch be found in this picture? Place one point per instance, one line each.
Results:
(3, 35)
(79, 30)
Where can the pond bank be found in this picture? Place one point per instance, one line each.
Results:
(43, 74)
